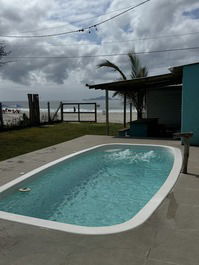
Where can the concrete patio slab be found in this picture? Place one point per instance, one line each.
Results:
(170, 236)
(179, 247)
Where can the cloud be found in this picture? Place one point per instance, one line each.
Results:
(154, 19)
(194, 14)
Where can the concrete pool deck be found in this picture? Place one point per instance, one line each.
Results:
(170, 236)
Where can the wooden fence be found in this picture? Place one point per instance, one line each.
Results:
(77, 111)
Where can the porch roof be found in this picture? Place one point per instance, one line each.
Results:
(173, 78)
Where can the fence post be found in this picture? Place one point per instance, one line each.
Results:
(1, 116)
(49, 118)
(185, 139)
(78, 112)
(30, 103)
(62, 111)
(95, 112)
(186, 154)
(36, 109)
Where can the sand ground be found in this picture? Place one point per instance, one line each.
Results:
(13, 118)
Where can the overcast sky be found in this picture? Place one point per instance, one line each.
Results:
(57, 79)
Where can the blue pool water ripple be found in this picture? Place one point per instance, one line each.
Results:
(102, 187)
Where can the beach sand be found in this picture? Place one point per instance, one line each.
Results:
(114, 117)
(11, 119)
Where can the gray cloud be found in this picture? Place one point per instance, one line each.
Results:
(156, 18)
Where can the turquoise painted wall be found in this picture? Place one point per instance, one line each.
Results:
(190, 101)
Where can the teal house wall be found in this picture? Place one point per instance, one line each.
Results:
(190, 102)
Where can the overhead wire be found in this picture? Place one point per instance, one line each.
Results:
(77, 21)
(119, 41)
(102, 55)
(78, 30)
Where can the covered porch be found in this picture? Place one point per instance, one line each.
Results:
(167, 85)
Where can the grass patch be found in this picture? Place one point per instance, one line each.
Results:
(23, 141)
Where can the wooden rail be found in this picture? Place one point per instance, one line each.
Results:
(78, 112)
(55, 114)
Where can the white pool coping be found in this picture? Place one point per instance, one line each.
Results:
(134, 222)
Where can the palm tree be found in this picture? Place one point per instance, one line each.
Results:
(137, 71)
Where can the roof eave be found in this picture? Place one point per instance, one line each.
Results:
(138, 83)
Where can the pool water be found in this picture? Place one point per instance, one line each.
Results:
(103, 187)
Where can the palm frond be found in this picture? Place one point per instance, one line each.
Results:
(144, 72)
(137, 97)
(107, 63)
(136, 69)
(117, 93)
(135, 64)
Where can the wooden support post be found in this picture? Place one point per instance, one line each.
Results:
(107, 113)
(95, 112)
(186, 155)
(1, 116)
(78, 106)
(131, 111)
(62, 111)
(36, 109)
(185, 139)
(124, 110)
(30, 103)
(49, 118)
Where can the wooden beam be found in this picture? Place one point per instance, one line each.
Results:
(140, 83)
(55, 114)
(107, 113)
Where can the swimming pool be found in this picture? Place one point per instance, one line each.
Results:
(104, 189)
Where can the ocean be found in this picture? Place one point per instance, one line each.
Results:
(115, 106)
